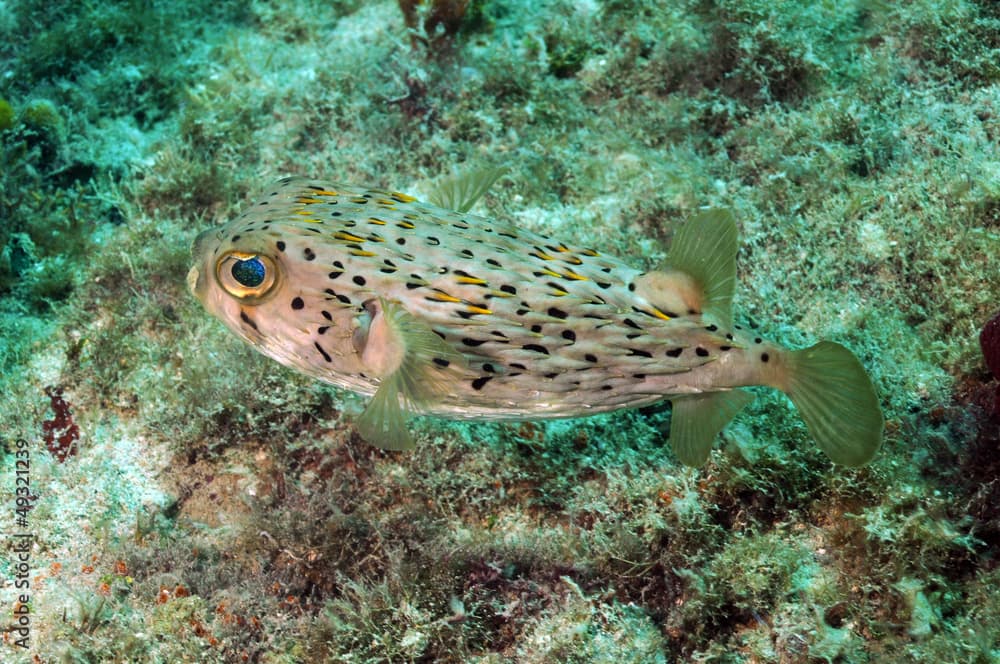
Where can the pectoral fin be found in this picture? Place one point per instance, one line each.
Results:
(400, 349)
(696, 421)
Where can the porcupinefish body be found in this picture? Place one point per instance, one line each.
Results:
(447, 313)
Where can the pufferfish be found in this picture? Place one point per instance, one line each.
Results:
(442, 312)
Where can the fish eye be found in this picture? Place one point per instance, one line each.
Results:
(246, 276)
(250, 272)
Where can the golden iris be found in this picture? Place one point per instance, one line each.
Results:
(246, 275)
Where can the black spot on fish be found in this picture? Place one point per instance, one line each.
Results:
(280, 245)
(712, 328)
(536, 348)
(536, 328)
(493, 262)
(236, 238)
(326, 356)
(473, 342)
(603, 284)
(764, 357)
(478, 383)
(569, 335)
(467, 254)
(640, 376)
(441, 362)
(521, 312)
(323, 329)
(757, 340)
(634, 335)
(631, 286)
(725, 347)
(308, 254)
(590, 358)
(607, 388)
(635, 352)
(326, 315)
(675, 352)
(631, 323)
(701, 352)
(334, 275)
(433, 241)
(552, 374)
(518, 365)
(246, 319)
(489, 368)
(507, 288)
(557, 313)
(400, 241)
(297, 303)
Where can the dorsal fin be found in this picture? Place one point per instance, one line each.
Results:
(704, 249)
(460, 191)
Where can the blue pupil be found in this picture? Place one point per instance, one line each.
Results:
(249, 273)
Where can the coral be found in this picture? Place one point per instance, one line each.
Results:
(223, 508)
(433, 20)
(60, 433)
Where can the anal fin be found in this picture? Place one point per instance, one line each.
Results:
(696, 420)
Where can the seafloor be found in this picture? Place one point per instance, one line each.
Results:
(189, 500)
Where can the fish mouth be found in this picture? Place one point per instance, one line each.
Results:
(192, 281)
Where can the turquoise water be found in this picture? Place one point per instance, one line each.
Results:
(186, 499)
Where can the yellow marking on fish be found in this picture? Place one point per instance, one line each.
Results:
(386, 202)
(375, 237)
(550, 272)
(659, 314)
(473, 309)
(377, 222)
(589, 252)
(325, 192)
(496, 293)
(306, 200)
(443, 297)
(402, 198)
(405, 224)
(471, 280)
(362, 252)
(358, 200)
(573, 260)
(347, 237)
(538, 253)
(558, 292)
(570, 274)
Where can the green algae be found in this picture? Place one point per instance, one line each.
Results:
(855, 144)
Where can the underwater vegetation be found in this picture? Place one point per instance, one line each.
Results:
(189, 500)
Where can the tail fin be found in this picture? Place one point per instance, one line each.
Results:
(837, 400)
